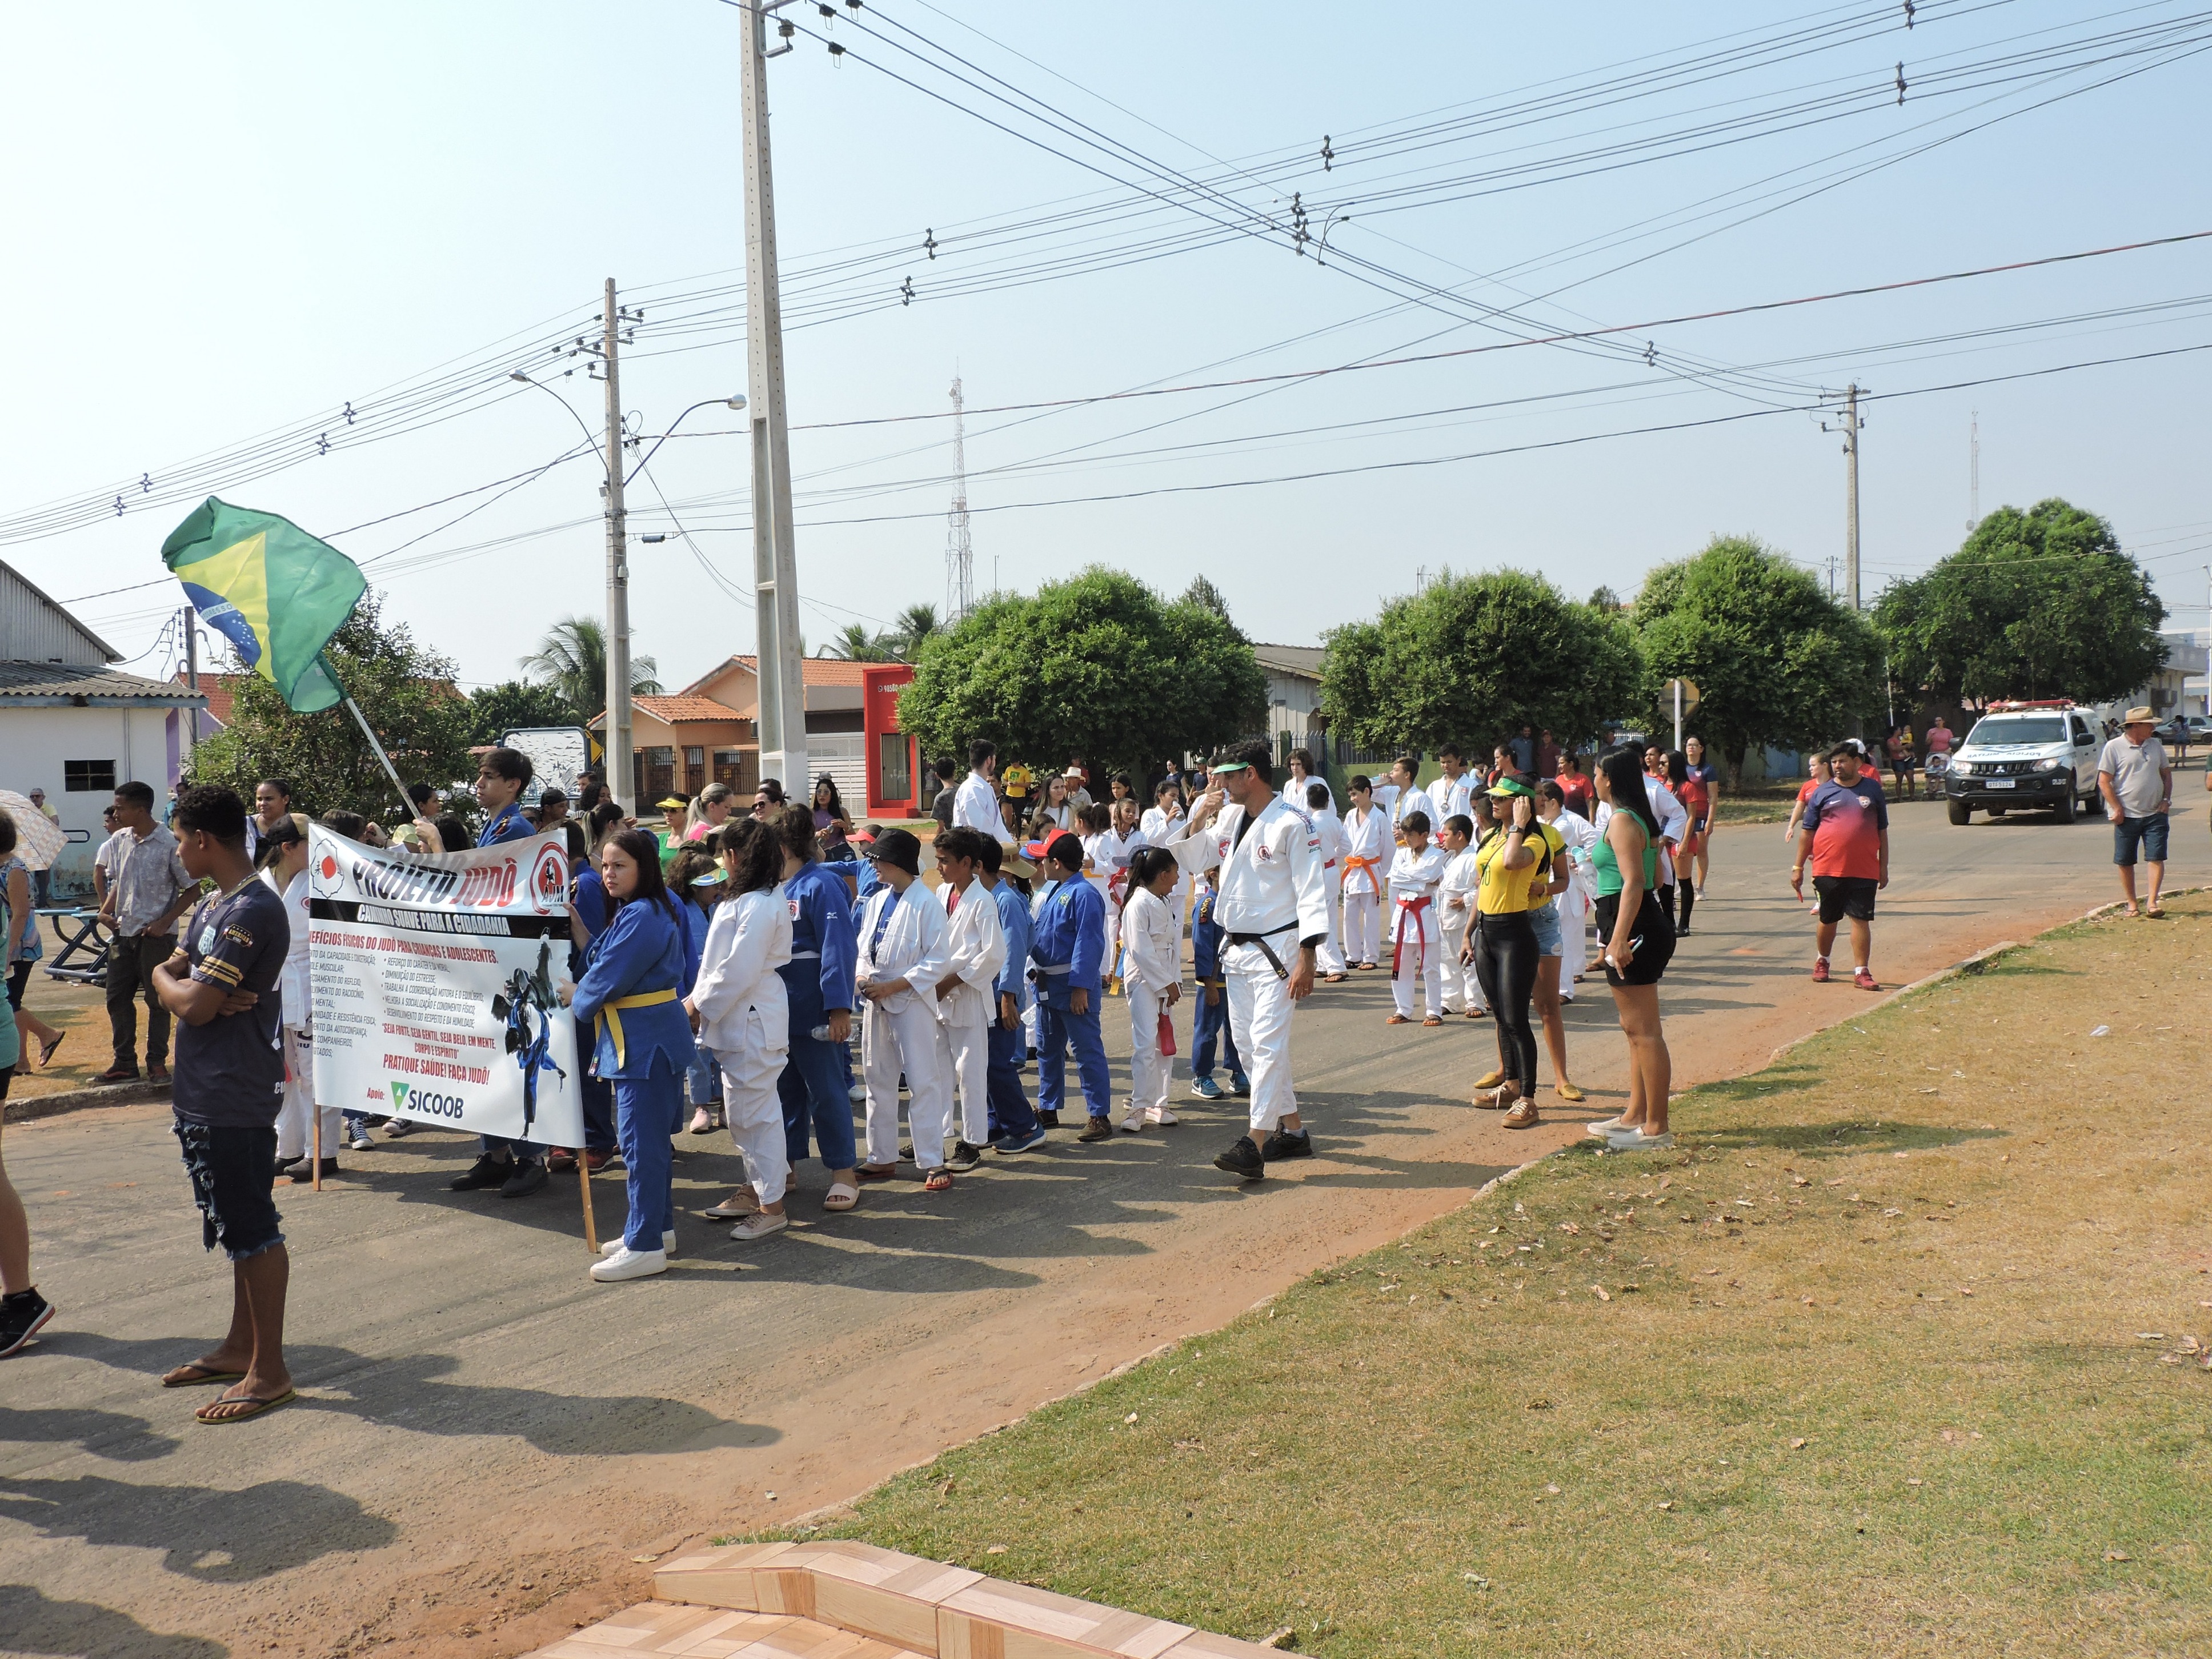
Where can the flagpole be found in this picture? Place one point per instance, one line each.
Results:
(331, 668)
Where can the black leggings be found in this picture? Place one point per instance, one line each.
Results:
(1505, 956)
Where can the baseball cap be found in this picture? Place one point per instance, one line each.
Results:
(1508, 786)
(899, 848)
(1064, 848)
(670, 802)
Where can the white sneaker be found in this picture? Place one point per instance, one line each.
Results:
(1601, 1130)
(759, 1224)
(1635, 1141)
(361, 1143)
(1131, 1123)
(614, 1246)
(1159, 1117)
(626, 1263)
(858, 1094)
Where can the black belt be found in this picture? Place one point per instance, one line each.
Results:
(1266, 948)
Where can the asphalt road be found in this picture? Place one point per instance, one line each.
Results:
(486, 1440)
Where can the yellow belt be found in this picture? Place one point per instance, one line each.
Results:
(610, 1016)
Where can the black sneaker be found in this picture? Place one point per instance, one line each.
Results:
(490, 1170)
(1049, 1119)
(1098, 1128)
(906, 1153)
(1243, 1159)
(302, 1169)
(963, 1157)
(1280, 1145)
(527, 1178)
(21, 1317)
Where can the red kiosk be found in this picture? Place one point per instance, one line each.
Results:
(894, 772)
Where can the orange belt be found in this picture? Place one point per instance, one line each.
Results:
(1353, 864)
(1411, 907)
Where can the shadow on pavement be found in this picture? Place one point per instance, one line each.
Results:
(205, 1532)
(111, 1435)
(34, 1623)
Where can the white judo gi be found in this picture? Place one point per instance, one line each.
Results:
(902, 937)
(1364, 870)
(1334, 844)
(1151, 961)
(1448, 796)
(1580, 835)
(745, 1018)
(1416, 950)
(1462, 990)
(975, 953)
(1270, 891)
(296, 1118)
(1109, 852)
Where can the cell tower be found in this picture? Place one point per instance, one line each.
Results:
(959, 550)
(1973, 470)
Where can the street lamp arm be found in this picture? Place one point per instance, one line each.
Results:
(590, 437)
(738, 402)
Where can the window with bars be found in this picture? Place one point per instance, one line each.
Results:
(88, 776)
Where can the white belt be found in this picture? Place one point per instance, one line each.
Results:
(1056, 968)
(807, 956)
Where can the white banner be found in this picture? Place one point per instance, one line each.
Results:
(434, 986)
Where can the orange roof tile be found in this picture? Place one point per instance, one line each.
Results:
(683, 707)
(813, 670)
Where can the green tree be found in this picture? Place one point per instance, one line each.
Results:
(513, 705)
(1774, 658)
(1098, 666)
(572, 658)
(406, 693)
(911, 629)
(1467, 660)
(2040, 603)
(1203, 593)
(854, 643)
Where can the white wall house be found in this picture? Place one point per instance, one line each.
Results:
(74, 726)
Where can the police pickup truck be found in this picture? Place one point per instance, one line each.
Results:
(2026, 756)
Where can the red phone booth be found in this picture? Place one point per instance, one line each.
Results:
(894, 771)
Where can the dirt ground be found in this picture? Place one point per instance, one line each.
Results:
(487, 1443)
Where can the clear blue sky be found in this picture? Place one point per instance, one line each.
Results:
(229, 218)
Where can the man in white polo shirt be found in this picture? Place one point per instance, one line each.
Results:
(2137, 785)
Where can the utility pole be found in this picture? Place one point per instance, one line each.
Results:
(1851, 499)
(192, 680)
(1973, 470)
(782, 711)
(621, 780)
(959, 550)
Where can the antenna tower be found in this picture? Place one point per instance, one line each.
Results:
(959, 550)
(1973, 470)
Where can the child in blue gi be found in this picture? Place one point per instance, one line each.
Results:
(1210, 1017)
(633, 976)
(1066, 946)
(1014, 1126)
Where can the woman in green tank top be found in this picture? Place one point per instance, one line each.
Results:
(1637, 938)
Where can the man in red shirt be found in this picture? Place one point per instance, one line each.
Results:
(1845, 833)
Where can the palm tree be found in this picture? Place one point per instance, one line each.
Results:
(572, 658)
(855, 644)
(910, 629)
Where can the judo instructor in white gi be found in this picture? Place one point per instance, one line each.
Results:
(1272, 909)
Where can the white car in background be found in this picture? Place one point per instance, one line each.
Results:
(2026, 756)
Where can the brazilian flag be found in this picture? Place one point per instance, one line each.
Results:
(273, 591)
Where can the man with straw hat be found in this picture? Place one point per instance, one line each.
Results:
(2137, 781)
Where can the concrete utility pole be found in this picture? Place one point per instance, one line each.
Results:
(782, 711)
(1851, 497)
(620, 781)
(192, 679)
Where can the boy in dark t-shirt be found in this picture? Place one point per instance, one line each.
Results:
(221, 985)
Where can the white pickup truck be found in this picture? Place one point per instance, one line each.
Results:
(2026, 756)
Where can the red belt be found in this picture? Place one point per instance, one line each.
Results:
(1413, 907)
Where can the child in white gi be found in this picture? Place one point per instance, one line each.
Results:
(1415, 874)
(966, 998)
(1328, 829)
(741, 1011)
(1151, 978)
(1455, 905)
(1367, 856)
(1116, 846)
(902, 951)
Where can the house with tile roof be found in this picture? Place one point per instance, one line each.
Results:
(709, 730)
(75, 727)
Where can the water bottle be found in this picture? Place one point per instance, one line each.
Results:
(820, 1034)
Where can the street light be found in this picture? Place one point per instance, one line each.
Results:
(616, 743)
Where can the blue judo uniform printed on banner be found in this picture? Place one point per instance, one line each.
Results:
(633, 978)
(1066, 948)
(529, 1007)
(819, 980)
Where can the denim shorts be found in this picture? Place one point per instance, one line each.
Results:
(1546, 921)
(232, 1171)
(2149, 834)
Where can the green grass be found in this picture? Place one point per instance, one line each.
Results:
(1868, 1374)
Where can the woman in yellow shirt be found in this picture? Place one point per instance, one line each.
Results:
(1513, 864)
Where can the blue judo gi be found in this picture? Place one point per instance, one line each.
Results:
(1209, 1022)
(633, 976)
(1011, 1116)
(1066, 946)
(818, 981)
(589, 905)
